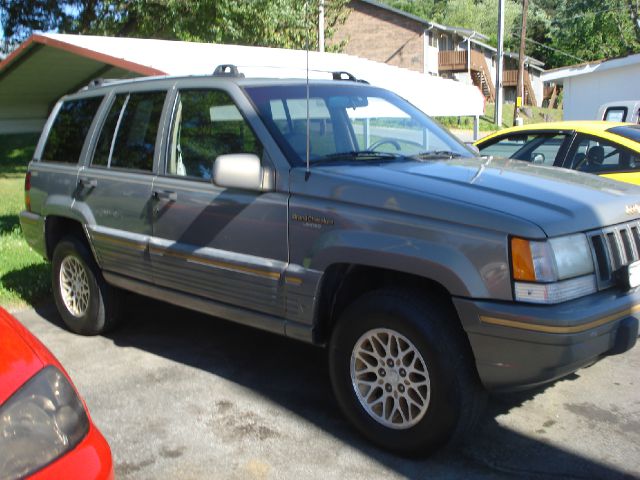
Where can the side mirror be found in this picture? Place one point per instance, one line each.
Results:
(538, 157)
(242, 170)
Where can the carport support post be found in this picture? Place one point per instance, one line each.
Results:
(476, 127)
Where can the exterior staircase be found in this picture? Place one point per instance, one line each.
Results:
(481, 75)
(484, 83)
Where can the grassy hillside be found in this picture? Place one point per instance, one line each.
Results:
(531, 115)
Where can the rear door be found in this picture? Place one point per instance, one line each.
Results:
(114, 190)
(223, 244)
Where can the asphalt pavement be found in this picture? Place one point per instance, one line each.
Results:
(180, 395)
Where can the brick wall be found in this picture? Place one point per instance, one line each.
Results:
(377, 34)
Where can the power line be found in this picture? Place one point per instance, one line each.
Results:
(551, 48)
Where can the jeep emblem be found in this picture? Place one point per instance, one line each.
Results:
(632, 209)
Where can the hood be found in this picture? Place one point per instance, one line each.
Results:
(501, 194)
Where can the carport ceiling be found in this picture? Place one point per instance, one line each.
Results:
(43, 69)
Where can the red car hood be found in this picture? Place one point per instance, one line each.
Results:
(21, 355)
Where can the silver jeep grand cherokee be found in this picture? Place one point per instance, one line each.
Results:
(338, 214)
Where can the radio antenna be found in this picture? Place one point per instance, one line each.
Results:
(306, 15)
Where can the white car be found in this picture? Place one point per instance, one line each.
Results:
(620, 111)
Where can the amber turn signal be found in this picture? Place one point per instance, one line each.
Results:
(522, 260)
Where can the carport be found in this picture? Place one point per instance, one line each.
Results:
(47, 66)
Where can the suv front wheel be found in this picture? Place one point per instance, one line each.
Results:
(402, 372)
(86, 303)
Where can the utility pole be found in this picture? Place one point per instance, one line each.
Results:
(499, 65)
(321, 27)
(520, 83)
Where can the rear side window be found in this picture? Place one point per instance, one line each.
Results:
(128, 136)
(69, 129)
(595, 155)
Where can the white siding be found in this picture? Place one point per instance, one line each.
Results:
(538, 87)
(431, 60)
(583, 94)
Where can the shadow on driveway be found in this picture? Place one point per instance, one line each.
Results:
(295, 376)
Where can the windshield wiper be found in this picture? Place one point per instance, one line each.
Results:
(436, 154)
(360, 155)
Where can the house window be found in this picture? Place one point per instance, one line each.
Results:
(432, 39)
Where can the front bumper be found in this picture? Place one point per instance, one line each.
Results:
(89, 460)
(517, 345)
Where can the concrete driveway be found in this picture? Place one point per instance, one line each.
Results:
(179, 395)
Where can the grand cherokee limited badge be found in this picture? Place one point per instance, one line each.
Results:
(321, 220)
(633, 209)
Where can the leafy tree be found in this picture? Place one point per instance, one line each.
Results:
(276, 23)
(478, 15)
(560, 32)
(593, 29)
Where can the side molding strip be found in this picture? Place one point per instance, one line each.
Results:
(503, 322)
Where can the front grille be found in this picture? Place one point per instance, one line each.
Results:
(614, 247)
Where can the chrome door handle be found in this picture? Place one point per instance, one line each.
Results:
(88, 182)
(165, 195)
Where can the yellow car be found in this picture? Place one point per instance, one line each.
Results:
(609, 149)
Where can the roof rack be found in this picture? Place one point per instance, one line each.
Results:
(99, 82)
(227, 70)
(341, 75)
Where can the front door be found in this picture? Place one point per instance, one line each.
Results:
(223, 244)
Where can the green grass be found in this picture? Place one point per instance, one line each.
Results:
(538, 115)
(24, 275)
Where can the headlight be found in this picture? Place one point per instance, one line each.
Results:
(39, 423)
(552, 271)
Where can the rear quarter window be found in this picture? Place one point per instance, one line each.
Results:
(67, 134)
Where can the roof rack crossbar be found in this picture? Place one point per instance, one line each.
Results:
(227, 70)
(341, 75)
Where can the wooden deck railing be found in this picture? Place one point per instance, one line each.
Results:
(509, 78)
(452, 61)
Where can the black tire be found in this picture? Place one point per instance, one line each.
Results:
(98, 310)
(451, 403)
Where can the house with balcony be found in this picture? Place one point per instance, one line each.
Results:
(385, 34)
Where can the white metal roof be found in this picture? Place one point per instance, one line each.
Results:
(47, 66)
(590, 67)
(435, 96)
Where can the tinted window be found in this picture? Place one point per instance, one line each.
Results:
(540, 148)
(128, 136)
(632, 132)
(207, 124)
(101, 155)
(69, 130)
(595, 155)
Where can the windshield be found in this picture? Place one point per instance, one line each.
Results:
(350, 123)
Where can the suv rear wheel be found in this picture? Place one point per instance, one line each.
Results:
(402, 372)
(86, 303)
